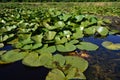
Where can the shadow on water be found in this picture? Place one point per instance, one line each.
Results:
(103, 65)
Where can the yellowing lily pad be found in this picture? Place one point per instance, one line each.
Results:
(111, 46)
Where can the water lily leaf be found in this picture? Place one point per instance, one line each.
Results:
(46, 60)
(78, 34)
(74, 41)
(59, 40)
(50, 35)
(55, 74)
(111, 46)
(26, 47)
(77, 62)
(58, 60)
(47, 49)
(67, 33)
(13, 55)
(32, 60)
(3, 62)
(75, 74)
(59, 24)
(1, 45)
(90, 30)
(37, 38)
(79, 18)
(66, 48)
(87, 46)
(37, 45)
(65, 17)
(103, 31)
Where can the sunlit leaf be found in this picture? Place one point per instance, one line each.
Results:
(58, 60)
(77, 62)
(111, 46)
(75, 74)
(55, 74)
(66, 48)
(13, 55)
(1, 45)
(103, 31)
(87, 46)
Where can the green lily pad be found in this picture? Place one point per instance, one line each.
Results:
(90, 30)
(1, 45)
(103, 31)
(32, 60)
(75, 74)
(87, 46)
(58, 60)
(74, 41)
(55, 74)
(47, 49)
(77, 62)
(50, 35)
(79, 18)
(66, 48)
(78, 34)
(13, 55)
(37, 38)
(111, 46)
(59, 40)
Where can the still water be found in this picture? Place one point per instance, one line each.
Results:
(103, 64)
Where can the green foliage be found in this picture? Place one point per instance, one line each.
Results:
(87, 46)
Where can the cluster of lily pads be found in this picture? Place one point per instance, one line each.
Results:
(35, 35)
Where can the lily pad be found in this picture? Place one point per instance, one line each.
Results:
(1, 45)
(13, 55)
(87, 46)
(58, 60)
(32, 60)
(75, 74)
(66, 48)
(55, 74)
(103, 31)
(111, 46)
(77, 62)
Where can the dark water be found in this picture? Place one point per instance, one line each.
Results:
(103, 65)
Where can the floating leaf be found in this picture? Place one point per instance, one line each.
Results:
(87, 46)
(59, 24)
(75, 74)
(74, 41)
(58, 60)
(111, 46)
(47, 49)
(1, 45)
(50, 35)
(37, 38)
(79, 18)
(90, 30)
(77, 62)
(78, 34)
(13, 55)
(59, 40)
(32, 59)
(103, 31)
(55, 74)
(66, 48)
(37, 45)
